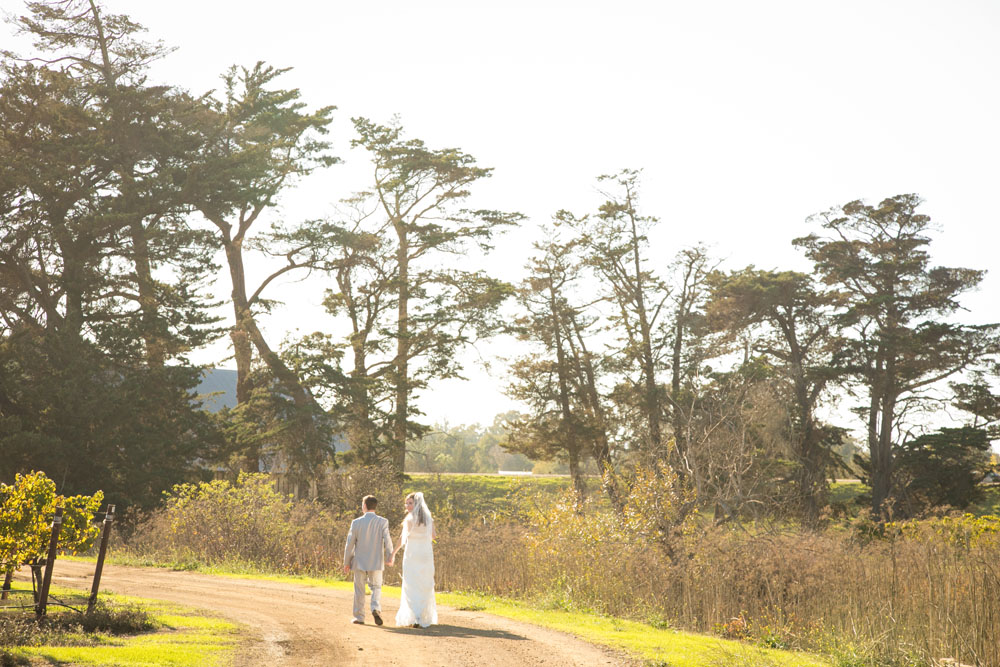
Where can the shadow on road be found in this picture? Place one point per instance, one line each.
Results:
(456, 631)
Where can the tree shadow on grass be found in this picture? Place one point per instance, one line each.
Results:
(456, 632)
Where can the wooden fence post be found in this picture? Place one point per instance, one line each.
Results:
(7, 579)
(109, 517)
(43, 591)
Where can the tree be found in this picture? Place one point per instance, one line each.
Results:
(945, 467)
(977, 398)
(26, 510)
(466, 448)
(56, 230)
(942, 468)
(615, 239)
(84, 390)
(692, 268)
(364, 270)
(130, 142)
(258, 139)
(893, 303)
(567, 417)
(798, 335)
(89, 421)
(738, 431)
(418, 191)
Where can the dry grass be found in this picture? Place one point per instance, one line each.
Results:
(908, 599)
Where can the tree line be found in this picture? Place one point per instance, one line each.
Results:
(123, 200)
(724, 374)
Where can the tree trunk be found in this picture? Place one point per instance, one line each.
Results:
(881, 414)
(242, 349)
(574, 472)
(362, 427)
(74, 277)
(882, 460)
(148, 304)
(811, 477)
(361, 430)
(648, 369)
(676, 412)
(398, 454)
(569, 443)
(601, 446)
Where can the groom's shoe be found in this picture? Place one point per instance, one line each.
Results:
(378, 616)
(358, 621)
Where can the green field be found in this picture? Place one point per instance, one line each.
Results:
(463, 497)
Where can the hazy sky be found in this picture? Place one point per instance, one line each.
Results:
(746, 117)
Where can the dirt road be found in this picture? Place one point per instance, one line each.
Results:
(292, 625)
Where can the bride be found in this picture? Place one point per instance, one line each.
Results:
(416, 605)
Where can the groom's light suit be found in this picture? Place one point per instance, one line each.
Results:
(368, 547)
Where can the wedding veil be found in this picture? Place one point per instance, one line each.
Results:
(421, 515)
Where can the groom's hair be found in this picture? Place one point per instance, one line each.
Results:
(369, 502)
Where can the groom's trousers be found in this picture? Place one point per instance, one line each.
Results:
(374, 580)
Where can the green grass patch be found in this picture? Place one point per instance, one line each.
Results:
(846, 492)
(180, 636)
(656, 645)
(489, 487)
(472, 497)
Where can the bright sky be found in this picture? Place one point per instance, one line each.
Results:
(746, 117)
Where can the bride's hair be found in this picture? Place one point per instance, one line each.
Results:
(421, 514)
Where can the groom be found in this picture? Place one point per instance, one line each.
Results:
(368, 549)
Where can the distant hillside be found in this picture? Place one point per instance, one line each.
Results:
(217, 389)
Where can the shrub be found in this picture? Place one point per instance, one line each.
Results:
(114, 618)
(26, 510)
(247, 522)
(8, 659)
(18, 630)
(908, 593)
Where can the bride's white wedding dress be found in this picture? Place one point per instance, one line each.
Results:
(416, 604)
